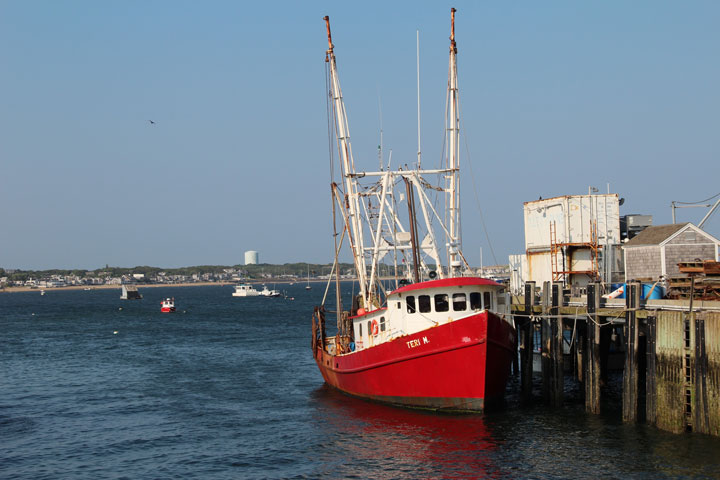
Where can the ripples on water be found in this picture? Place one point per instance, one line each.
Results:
(227, 388)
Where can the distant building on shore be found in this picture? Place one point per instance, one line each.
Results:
(251, 257)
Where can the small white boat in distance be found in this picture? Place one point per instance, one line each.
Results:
(245, 290)
(265, 292)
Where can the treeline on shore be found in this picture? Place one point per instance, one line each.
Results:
(252, 271)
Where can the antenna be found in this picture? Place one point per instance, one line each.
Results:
(419, 160)
(380, 146)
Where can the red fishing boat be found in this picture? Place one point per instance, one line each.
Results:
(435, 336)
(167, 305)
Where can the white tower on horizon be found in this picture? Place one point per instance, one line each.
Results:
(251, 257)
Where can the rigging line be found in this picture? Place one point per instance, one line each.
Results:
(477, 198)
(336, 264)
(701, 201)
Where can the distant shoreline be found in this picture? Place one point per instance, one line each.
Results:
(148, 285)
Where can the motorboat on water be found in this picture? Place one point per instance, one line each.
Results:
(167, 305)
(245, 290)
(438, 337)
(266, 292)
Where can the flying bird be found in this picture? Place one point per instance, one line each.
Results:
(151, 122)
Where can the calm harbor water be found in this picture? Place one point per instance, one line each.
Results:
(227, 388)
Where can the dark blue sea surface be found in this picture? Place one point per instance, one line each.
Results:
(92, 386)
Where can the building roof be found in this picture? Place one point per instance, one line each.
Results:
(655, 235)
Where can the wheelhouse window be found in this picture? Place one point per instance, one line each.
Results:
(370, 332)
(475, 301)
(424, 303)
(410, 302)
(459, 302)
(441, 302)
(487, 300)
(360, 330)
(382, 324)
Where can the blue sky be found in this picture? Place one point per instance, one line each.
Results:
(556, 96)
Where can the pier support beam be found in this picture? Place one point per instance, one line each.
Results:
(651, 370)
(670, 372)
(630, 373)
(546, 343)
(552, 346)
(527, 332)
(515, 364)
(591, 354)
(701, 413)
(557, 380)
(711, 378)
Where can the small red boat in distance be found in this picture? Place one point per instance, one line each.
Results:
(167, 305)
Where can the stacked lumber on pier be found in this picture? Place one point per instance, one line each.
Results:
(701, 280)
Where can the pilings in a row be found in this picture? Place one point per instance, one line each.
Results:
(671, 375)
(551, 343)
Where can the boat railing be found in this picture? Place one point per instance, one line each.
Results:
(338, 344)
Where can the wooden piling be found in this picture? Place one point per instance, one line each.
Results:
(712, 376)
(630, 373)
(546, 365)
(557, 380)
(669, 369)
(515, 363)
(700, 412)
(591, 354)
(651, 371)
(526, 345)
(688, 372)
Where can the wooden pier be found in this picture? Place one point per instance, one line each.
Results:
(671, 372)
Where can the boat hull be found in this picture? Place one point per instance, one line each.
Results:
(458, 366)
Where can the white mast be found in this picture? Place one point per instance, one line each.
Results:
(453, 132)
(348, 167)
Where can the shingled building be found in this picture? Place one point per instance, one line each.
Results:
(657, 250)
